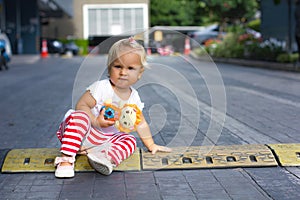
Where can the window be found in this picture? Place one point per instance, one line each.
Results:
(114, 19)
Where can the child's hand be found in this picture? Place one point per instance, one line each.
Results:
(155, 148)
(103, 122)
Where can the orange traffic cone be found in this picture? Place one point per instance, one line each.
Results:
(187, 46)
(44, 53)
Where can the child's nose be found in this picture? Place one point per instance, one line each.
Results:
(123, 71)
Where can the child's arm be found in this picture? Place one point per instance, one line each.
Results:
(144, 133)
(86, 103)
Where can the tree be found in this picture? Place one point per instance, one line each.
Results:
(172, 12)
(234, 11)
(200, 12)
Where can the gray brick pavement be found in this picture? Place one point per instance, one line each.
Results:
(34, 80)
(175, 184)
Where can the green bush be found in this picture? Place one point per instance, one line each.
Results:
(236, 45)
(229, 47)
(239, 44)
(254, 24)
(267, 50)
(81, 43)
(287, 58)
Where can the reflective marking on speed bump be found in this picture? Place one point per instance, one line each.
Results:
(42, 160)
(287, 154)
(254, 155)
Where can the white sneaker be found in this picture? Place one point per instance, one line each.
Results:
(64, 171)
(100, 163)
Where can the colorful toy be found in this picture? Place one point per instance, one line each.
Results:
(109, 113)
(126, 118)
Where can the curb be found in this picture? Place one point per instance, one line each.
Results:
(260, 64)
(292, 67)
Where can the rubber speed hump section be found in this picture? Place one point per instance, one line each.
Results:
(193, 157)
(287, 154)
(210, 157)
(42, 160)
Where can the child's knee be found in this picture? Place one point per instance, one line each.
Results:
(80, 119)
(80, 115)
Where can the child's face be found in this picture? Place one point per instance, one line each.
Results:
(126, 70)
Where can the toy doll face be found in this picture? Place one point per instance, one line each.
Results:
(128, 117)
(126, 70)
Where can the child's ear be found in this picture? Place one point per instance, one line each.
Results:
(141, 73)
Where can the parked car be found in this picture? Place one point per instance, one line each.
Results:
(71, 47)
(54, 46)
(209, 32)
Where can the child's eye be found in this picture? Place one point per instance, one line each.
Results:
(131, 68)
(117, 66)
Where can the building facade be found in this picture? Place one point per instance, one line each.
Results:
(280, 26)
(27, 21)
(22, 21)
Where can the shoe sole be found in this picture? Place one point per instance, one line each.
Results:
(64, 175)
(100, 167)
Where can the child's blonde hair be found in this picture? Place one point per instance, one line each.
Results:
(124, 46)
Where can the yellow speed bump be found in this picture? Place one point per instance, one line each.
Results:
(254, 155)
(251, 155)
(42, 160)
(288, 154)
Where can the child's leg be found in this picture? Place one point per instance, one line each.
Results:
(72, 132)
(111, 152)
(122, 146)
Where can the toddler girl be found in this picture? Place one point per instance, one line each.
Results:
(87, 129)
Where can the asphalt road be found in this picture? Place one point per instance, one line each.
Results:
(188, 103)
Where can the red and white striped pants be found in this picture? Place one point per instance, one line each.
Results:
(77, 128)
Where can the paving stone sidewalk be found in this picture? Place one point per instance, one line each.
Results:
(260, 183)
